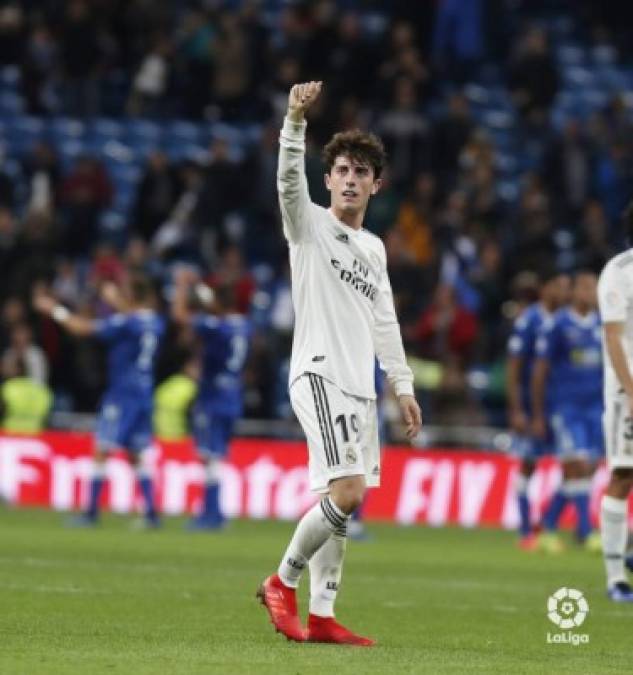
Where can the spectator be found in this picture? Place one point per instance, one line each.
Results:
(458, 38)
(450, 134)
(446, 331)
(42, 173)
(231, 272)
(232, 68)
(24, 403)
(405, 133)
(532, 77)
(195, 44)
(39, 67)
(410, 283)
(85, 192)
(80, 53)
(150, 81)
(22, 346)
(415, 220)
(156, 195)
(567, 171)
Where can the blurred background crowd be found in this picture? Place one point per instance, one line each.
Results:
(140, 134)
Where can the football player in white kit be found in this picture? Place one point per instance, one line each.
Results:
(615, 296)
(345, 318)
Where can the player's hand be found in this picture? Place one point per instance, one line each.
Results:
(411, 415)
(44, 303)
(518, 421)
(301, 97)
(539, 427)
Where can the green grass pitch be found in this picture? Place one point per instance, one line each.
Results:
(438, 601)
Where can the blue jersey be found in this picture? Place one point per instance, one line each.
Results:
(522, 344)
(573, 346)
(225, 342)
(132, 343)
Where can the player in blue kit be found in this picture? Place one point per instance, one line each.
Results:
(569, 350)
(554, 290)
(224, 336)
(131, 337)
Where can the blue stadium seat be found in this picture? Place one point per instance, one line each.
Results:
(143, 131)
(11, 103)
(570, 55)
(105, 127)
(183, 132)
(10, 77)
(576, 77)
(66, 128)
(179, 152)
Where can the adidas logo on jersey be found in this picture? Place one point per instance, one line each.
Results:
(343, 237)
(318, 358)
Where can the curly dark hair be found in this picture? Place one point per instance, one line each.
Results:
(360, 146)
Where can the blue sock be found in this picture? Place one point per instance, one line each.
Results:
(521, 486)
(147, 488)
(211, 501)
(525, 526)
(583, 525)
(95, 492)
(554, 511)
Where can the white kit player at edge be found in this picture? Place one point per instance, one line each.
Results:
(345, 318)
(615, 297)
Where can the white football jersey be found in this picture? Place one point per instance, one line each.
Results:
(344, 312)
(615, 299)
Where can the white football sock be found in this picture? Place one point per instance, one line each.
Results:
(316, 526)
(614, 531)
(326, 568)
(521, 484)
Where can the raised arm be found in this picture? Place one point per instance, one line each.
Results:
(73, 323)
(294, 198)
(184, 281)
(390, 352)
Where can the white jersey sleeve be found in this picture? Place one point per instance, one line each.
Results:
(612, 294)
(388, 341)
(615, 300)
(292, 185)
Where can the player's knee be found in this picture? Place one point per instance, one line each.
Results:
(348, 493)
(621, 482)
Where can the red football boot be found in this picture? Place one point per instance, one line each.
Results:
(326, 629)
(281, 602)
(528, 543)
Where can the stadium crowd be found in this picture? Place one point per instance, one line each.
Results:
(501, 157)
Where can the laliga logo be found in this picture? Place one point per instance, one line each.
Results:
(567, 608)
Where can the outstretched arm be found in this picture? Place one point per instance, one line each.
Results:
(184, 281)
(73, 323)
(294, 198)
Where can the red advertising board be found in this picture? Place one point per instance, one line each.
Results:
(268, 479)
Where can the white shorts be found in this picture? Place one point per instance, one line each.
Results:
(618, 432)
(341, 430)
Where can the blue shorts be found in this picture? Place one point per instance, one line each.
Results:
(124, 422)
(527, 447)
(578, 432)
(212, 432)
